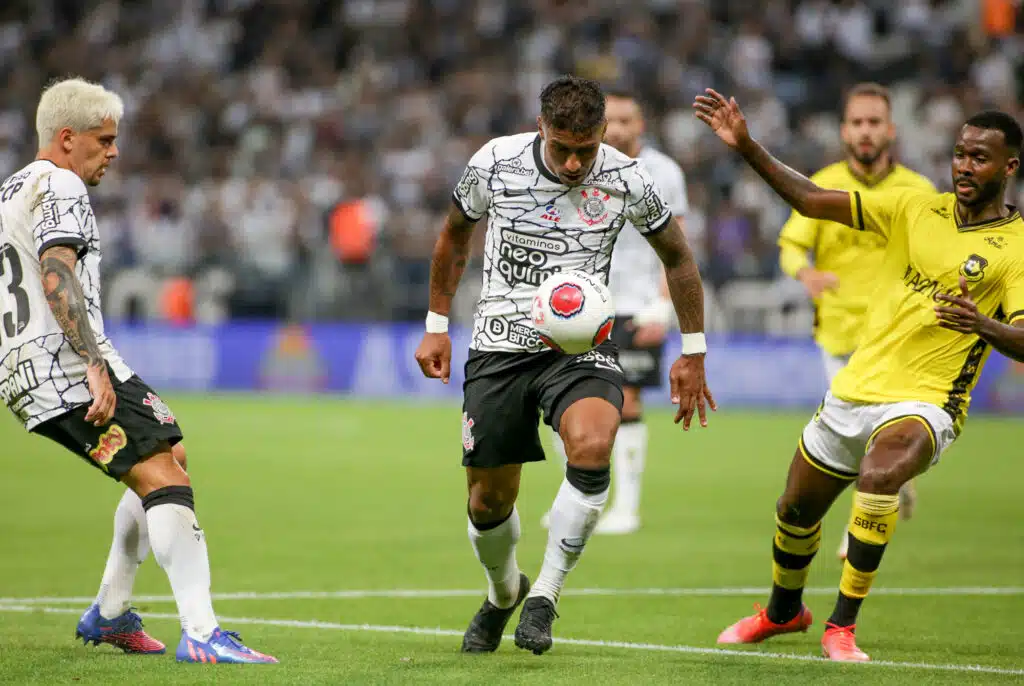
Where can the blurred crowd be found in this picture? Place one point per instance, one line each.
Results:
(294, 159)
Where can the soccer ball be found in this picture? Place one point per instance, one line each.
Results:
(572, 312)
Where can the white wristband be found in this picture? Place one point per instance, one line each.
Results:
(694, 344)
(437, 323)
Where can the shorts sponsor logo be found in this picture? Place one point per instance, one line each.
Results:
(567, 300)
(599, 360)
(467, 432)
(109, 444)
(161, 412)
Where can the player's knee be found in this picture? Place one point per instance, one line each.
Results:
(790, 511)
(589, 449)
(178, 452)
(490, 503)
(881, 479)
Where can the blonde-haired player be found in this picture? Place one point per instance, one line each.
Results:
(63, 379)
(839, 267)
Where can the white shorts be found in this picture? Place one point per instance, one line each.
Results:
(833, 363)
(841, 432)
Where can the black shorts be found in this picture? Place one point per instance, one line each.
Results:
(505, 395)
(141, 423)
(641, 366)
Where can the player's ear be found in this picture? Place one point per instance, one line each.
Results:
(1013, 164)
(540, 127)
(65, 135)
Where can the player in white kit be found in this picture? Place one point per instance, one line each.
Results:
(556, 200)
(643, 314)
(63, 379)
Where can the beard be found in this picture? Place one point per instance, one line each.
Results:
(986, 193)
(870, 157)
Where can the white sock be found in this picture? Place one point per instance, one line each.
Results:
(629, 457)
(574, 515)
(496, 550)
(559, 447)
(179, 546)
(128, 549)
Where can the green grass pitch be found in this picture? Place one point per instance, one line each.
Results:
(328, 495)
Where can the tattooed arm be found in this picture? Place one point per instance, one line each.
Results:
(451, 253)
(68, 305)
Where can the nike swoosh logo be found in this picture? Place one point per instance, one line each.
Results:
(573, 545)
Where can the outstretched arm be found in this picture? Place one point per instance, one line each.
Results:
(67, 303)
(802, 194)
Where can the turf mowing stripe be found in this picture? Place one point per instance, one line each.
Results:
(624, 645)
(472, 593)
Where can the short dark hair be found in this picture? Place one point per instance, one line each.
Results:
(571, 103)
(999, 121)
(867, 89)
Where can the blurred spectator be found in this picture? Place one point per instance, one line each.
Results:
(294, 159)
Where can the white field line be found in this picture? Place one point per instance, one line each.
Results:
(623, 645)
(474, 592)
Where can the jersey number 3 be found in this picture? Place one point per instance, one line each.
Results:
(11, 275)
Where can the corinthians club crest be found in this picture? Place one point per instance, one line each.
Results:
(593, 209)
(973, 268)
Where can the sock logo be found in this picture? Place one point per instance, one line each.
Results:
(880, 527)
(198, 531)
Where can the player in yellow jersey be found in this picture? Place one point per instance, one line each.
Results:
(949, 289)
(837, 266)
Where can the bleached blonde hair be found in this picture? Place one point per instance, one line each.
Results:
(77, 104)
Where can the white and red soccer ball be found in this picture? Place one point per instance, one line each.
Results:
(572, 312)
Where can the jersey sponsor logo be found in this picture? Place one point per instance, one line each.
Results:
(941, 211)
(110, 443)
(551, 214)
(513, 166)
(973, 268)
(161, 412)
(467, 432)
(18, 384)
(519, 334)
(466, 183)
(593, 209)
(49, 210)
(567, 300)
(997, 242)
(653, 205)
(919, 283)
(523, 258)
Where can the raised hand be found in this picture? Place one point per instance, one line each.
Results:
(723, 116)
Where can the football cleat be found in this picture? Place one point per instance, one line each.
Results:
(222, 647)
(124, 632)
(484, 632)
(534, 630)
(840, 645)
(757, 627)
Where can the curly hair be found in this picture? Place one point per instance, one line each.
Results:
(571, 103)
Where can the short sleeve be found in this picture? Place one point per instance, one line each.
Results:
(1013, 297)
(61, 213)
(883, 212)
(472, 194)
(675, 193)
(646, 208)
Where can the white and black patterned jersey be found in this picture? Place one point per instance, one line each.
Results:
(41, 375)
(636, 273)
(538, 226)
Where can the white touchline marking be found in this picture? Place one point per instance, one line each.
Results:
(474, 592)
(624, 645)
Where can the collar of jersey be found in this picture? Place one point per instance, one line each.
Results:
(871, 181)
(988, 223)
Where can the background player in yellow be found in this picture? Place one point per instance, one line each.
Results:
(839, 267)
(950, 288)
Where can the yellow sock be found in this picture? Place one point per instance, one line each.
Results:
(872, 524)
(793, 549)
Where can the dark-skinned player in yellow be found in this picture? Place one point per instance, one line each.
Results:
(837, 266)
(950, 289)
